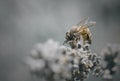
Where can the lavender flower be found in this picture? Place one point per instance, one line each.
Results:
(49, 61)
(111, 60)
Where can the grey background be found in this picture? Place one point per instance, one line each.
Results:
(23, 23)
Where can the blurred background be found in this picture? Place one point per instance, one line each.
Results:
(23, 23)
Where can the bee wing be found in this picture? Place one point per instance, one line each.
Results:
(83, 21)
(89, 24)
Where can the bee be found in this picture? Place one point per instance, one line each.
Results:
(79, 32)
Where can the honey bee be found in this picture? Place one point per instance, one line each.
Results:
(78, 32)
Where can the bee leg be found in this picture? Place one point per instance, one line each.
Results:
(65, 42)
(73, 44)
(90, 42)
(89, 39)
(84, 41)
